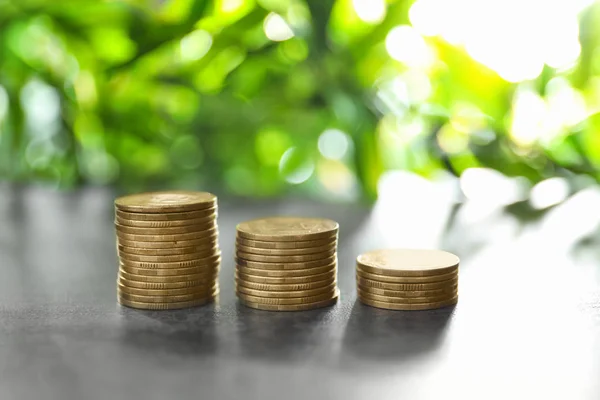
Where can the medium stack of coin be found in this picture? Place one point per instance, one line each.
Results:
(286, 263)
(402, 279)
(168, 249)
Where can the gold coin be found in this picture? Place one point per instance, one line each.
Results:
(173, 258)
(286, 293)
(283, 287)
(166, 231)
(206, 288)
(165, 306)
(285, 252)
(406, 286)
(287, 280)
(406, 300)
(285, 259)
(181, 264)
(405, 262)
(166, 224)
(164, 299)
(167, 238)
(408, 293)
(287, 273)
(287, 301)
(405, 279)
(165, 202)
(303, 244)
(171, 271)
(166, 216)
(165, 285)
(287, 229)
(408, 307)
(168, 279)
(169, 245)
(164, 252)
(287, 265)
(291, 307)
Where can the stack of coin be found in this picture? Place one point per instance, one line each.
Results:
(402, 279)
(167, 243)
(286, 263)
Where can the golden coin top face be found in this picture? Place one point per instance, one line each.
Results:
(165, 201)
(287, 226)
(408, 259)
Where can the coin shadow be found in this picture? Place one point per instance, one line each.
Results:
(378, 334)
(280, 336)
(187, 332)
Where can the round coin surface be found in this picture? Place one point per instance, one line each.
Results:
(287, 229)
(408, 262)
(163, 202)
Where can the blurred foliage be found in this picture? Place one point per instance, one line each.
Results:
(265, 97)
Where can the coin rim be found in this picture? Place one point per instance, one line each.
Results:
(174, 230)
(286, 273)
(404, 300)
(285, 252)
(285, 293)
(400, 307)
(292, 307)
(299, 244)
(169, 306)
(288, 280)
(282, 286)
(407, 286)
(175, 216)
(405, 279)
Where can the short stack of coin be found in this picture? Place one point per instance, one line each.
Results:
(286, 263)
(167, 243)
(403, 279)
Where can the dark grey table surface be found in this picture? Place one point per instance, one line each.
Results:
(527, 325)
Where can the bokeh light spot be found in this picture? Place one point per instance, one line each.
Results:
(295, 167)
(195, 45)
(333, 144)
(276, 29)
(186, 152)
(403, 43)
(371, 11)
(549, 192)
(270, 146)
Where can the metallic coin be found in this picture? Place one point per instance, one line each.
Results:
(207, 288)
(164, 299)
(165, 306)
(287, 229)
(169, 245)
(166, 224)
(171, 271)
(284, 287)
(208, 261)
(287, 301)
(286, 293)
(286, 280)
(285, 266)
(164, 252)
(287, 273)
(291, 307)
(164, 202)
(406, 286)
(167, 279)
(165, 285)
(166, 216)
(285, 252)
(406, 300)
(405, 279)
(167, 238)
(408, 307)
(166, 231)
(172, 258)
(285, 259)
(286, 245)
(408, 262)
(408, 293)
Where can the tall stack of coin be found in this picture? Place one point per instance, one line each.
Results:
(286, 263)
(167, 243)
(402, 279)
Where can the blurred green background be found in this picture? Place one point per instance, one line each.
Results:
(273, 97)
